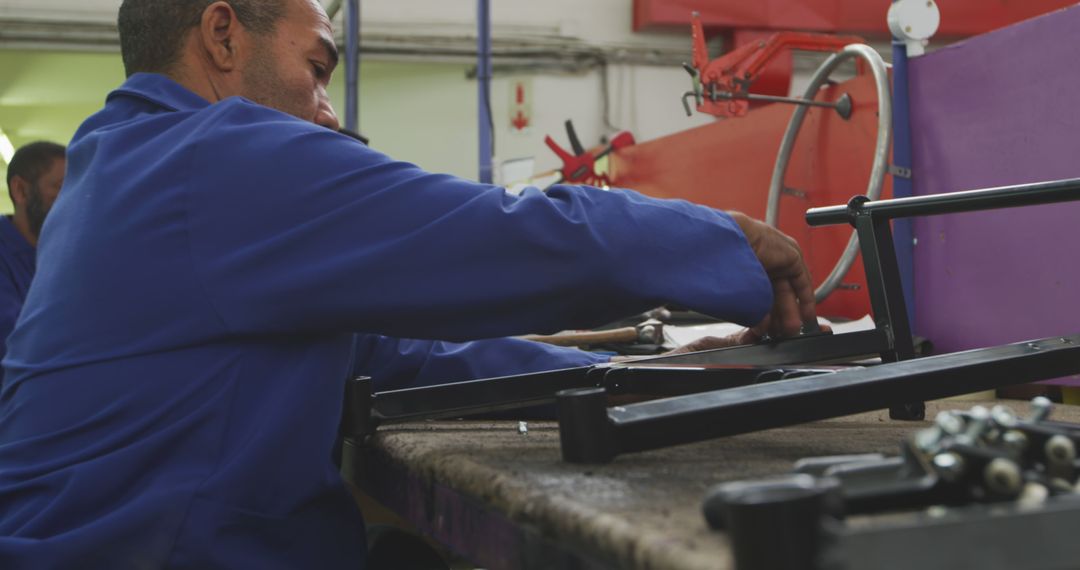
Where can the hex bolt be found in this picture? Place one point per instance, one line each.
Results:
(1003, 417)
(949, 422)
(1040, 409)
(1015, 441)
(1060, 449)
(1003, 477)
(978, 424)
(928, 440)
(1033, 494)
(949, 466)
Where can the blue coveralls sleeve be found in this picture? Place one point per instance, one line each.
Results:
(11, 302)
(319, 233)
(395, 363)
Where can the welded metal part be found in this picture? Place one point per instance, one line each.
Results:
(686, 419)
(655, 377)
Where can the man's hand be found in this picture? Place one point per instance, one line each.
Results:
(745, 336)
(793, 292)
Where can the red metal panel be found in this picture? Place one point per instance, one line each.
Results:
(728, 165)
(958, 17)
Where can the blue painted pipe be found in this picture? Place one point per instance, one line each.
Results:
(352, 65)
(483, 81)
(903, 232)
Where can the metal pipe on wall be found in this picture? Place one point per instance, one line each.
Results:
(903, 232)
(352, 65)
(483, 82)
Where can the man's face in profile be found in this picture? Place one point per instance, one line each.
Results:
(291, 68)
(42, 193)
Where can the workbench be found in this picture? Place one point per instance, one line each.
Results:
(504, 499)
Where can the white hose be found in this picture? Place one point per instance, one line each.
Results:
(881, 152)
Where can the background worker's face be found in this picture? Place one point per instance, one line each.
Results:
(39, 195)
(290, 69)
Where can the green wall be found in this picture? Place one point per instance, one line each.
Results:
(420, 112)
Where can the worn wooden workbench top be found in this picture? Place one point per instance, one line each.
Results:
(505, 500)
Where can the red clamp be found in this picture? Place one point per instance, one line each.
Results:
(580, 167)
(722, 86)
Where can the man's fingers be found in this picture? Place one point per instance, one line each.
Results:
(745, 336)
(762, 329)
(804, 291)
(787, 318)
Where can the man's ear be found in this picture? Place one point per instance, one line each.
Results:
(19, 188)
(219, 30)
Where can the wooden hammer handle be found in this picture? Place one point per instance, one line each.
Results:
(623, 335)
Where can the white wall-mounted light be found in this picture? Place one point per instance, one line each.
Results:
(914, 22)
(7, 150)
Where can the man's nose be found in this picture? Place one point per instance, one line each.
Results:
(325, 116)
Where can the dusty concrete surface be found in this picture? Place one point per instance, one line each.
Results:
(506, 500)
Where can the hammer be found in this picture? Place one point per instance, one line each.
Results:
(648, 332)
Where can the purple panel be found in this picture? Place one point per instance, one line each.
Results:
(999, 109)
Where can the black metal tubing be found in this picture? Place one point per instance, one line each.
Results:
(510, 392)
(951, 203)
(887, 300)
(677, 380)
(477, 396)
(687, 419)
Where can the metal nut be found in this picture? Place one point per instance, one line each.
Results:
(1003, 477)
(949, 466)
(949, 422)
(1015, 441)
(1003, 417)
(1040, 409)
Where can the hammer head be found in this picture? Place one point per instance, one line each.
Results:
(650, 332)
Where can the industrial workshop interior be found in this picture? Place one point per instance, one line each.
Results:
(521, 284)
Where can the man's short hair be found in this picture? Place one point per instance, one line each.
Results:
(152, 32)
(32, 161)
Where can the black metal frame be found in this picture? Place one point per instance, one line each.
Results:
(591, 432)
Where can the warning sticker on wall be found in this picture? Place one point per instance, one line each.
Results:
(521, 115)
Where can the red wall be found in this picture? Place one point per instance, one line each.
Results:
(958, 17)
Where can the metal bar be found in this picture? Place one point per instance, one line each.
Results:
(677, 380)
(483, 81)
(494, 394)
(817, 348)
(903, 187)
(727, 95)
(477, 396)
(352, 65)
(686, 419)
(951, 203)
(790, 100)
(887, 300)
(510, 392)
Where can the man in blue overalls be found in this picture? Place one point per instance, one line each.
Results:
(174, 384)
(34, 178)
